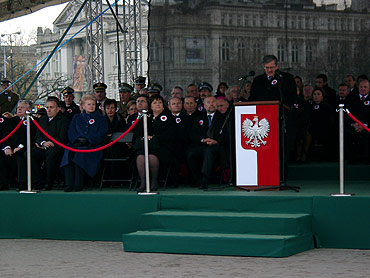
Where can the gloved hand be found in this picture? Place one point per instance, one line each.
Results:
(80, 142)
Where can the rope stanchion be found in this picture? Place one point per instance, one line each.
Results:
(85, 151)
(341, 155)
(357, 121)
(13, 131)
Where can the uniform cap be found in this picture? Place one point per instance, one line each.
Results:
(205, 86)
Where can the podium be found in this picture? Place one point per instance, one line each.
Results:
(257, 145)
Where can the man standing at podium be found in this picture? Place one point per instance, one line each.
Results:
(277, 85)
(273, 84)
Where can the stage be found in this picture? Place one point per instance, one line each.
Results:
(330, 222)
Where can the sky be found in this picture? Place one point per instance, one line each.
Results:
(28, 23)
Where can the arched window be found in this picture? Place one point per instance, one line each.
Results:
(241, 51)
(281, 53)
(154, 52)
(295, 54)
(308, 54)
(225, 51)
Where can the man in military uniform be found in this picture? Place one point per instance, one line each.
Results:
(8, 99)
(139, 84)
(46, 151)
(154, 89)
(100, 94)
(125, 91)
(71, 107)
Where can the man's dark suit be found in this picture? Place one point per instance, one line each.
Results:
(200, 156)
(58, 129)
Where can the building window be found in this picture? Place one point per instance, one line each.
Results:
(331, 54)
(239, 20)
(254, 20)
(241, 51)
(223, 16)
(300, 26)
(230, 19)
(307, 23)
(225, 51)
(294, 54)
(154, 52)
(281, 53)
(308, 54)
(246, 20)
(56, 62)
(278, 22)
(262, 21)
(115, 56)
(171, 51)
(292, 22)
(256, 51)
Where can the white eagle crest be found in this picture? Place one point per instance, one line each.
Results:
(256, 132)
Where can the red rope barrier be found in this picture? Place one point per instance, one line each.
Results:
(357, 121)
(11, 133)
(85, 151)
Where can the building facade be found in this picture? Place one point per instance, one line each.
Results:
(215, 41)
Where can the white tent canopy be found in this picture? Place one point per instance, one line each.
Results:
(10, 9)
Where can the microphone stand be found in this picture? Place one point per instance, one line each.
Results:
(231, 149)
(283, 162)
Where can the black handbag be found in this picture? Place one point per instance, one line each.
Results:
(153, 144)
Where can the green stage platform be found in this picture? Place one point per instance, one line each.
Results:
(187, 220)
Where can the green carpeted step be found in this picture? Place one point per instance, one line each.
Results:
(239, 203)
(227, 222)
(217, 244)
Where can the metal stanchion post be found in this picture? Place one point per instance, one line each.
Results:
(341, 154)
(29, 181)
(146, 155)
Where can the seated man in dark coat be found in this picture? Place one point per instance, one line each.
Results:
(15, 146)
(356, 138)
(207, 143)
(46, 151)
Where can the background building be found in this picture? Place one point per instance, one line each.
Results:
(193, 41)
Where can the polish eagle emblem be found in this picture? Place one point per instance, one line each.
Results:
(256, 131)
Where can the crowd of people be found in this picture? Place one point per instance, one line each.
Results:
(189, 133)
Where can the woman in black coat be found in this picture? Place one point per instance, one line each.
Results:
(320, 124)
(161, 145)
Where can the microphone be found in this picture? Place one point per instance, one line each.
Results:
(251, 73)
(278, 73)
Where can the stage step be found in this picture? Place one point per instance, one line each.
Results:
(236, 203)
(227, 222)
(217, 243)
(222, 233)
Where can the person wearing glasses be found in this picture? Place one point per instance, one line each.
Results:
(141, 104)
(277, 85)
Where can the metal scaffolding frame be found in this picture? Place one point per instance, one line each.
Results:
(94, 44)
(132, 44)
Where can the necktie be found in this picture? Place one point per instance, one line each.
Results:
(362, 98)
(209, 120)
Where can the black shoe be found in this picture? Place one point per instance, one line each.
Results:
(4, 187)
(141, 189)
(204, 183)
(68, 189)
(21, 186)
(77, 189)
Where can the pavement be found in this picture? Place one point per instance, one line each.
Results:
(58, 258)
